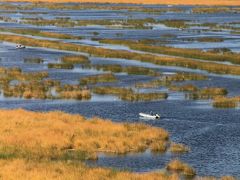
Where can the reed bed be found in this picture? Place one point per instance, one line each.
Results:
(60, 66)
(75, 59)
(181, 52)
(108, 53)
(178, 148)
(100, 78)
(21, 169)
(167, 80)
(36, 32)
(226, 102)
(32, 60)
(67, 22)
(128, 94)
(131, 70)
(180, 167)
(36, 135)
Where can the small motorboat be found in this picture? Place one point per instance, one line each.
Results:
(149, 116)
(20, 46)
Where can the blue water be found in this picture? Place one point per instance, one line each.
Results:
(212, 134)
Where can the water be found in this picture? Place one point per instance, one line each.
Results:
(212, 134)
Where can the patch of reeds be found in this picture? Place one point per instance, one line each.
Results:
(75, 59)
(100, 78)
(60, 66)
(109, 53)
(127, 94)
(31, 60)
(180, 167)
(226, 102)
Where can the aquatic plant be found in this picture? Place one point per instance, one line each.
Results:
(180, 167)
(100, 78)
(75, 59)
(60, 66)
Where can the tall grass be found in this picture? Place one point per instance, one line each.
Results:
(100, 78)
(108, 53)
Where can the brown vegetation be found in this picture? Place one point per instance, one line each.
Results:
(174, 2)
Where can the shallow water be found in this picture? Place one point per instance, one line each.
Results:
(212, 134)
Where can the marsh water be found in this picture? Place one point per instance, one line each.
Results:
(212, 134)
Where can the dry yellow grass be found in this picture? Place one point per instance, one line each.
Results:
(28, 170)
(173, 2)
(50, 134)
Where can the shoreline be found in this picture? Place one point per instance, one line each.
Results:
(146, 2)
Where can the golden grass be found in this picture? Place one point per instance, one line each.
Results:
(28, 170)
(174, 2)
(178, 148)
(49, 135)
(180, 167)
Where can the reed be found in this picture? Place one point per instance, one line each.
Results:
(225, 102)
(36, 32)
(31, 60)
(36, 135)
(178, 148)
(60, 66)
(108, 53)
(180, 167)
(129, 95)
(131, 70)
(75, 59)
(100, 78)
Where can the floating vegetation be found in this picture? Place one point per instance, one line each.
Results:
(208, 93)
(131, 70)
(76, 94)
(35, 32)
(181, 52)
(100, 78)
(175, 23)
(180, 167)
(210, 39)
(166, 80)
(75, 59)
(67, 22)
(226, 102)
(109, 53)
(178, 148)
(33, 60)
(184, 88)
(128, 94)
(60, 66)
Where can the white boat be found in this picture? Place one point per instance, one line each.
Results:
(149, 116)
(19, 46)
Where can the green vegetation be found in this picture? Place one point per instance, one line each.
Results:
(60, 66)
(167, 80)
(225, 102)
(129, 95)
(33, 60)
(212, 10)
(131, 70)
(35, 32)
(67, 22)
(210, 39)
(181, 52)
(175, 23)
(75, 59)
(109, 53)
(100, 78)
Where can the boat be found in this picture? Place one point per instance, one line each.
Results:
(149, 116)
(19, 46)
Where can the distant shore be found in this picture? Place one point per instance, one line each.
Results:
(164, 2)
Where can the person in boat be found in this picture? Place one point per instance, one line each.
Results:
(19, 46)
